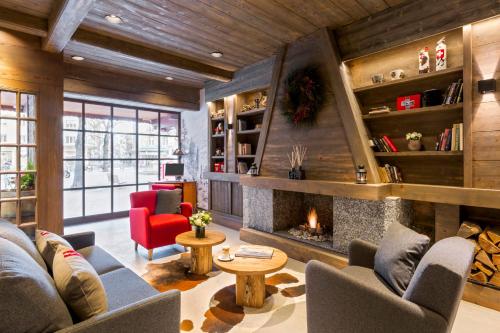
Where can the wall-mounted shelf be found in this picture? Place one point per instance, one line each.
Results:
(218, 119)
(416, 112)
(218, 135)
(418, 79)
(420, 153)
(245, 156)
(253, 112)
(252, 131)
(217, 157)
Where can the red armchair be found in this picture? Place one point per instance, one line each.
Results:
(150, 230)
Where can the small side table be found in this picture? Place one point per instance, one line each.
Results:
(201, 249)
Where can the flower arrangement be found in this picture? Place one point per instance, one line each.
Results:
(415, 136)
(304, 95)
(201, 219)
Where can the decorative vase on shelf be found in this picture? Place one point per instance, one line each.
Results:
(200, 232)
(414, 145)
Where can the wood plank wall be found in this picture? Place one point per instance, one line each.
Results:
(486, 108)
(328, 157)
(24, 66)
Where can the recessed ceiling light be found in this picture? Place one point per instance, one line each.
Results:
(77, 58)
(169, 78)
(113, 19)
(216, 54)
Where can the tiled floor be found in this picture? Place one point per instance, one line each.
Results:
(114, 236)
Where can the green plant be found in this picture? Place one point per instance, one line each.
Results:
(201, 219)
(413, 136)
(28, 180)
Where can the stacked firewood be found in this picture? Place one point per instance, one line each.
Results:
(486, 265)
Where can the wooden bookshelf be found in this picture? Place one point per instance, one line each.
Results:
(217, 141)
(420, 112)
(424, 153)
(432, 167)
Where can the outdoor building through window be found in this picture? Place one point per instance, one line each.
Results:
(111, 151)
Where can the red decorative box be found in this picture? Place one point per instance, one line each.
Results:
(218, 167)
(408, 102)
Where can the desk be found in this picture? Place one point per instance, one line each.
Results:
(188, 189)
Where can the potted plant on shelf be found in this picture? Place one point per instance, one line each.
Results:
(414, 141)
(200, 220)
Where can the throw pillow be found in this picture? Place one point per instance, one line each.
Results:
(399, 254)
(29, 299)
(47, 243)
(168, 202)
(78, 283)
(12, 233)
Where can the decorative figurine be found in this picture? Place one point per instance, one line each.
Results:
(253, 171)
(423, 61)
(219, 129)
(441, 55)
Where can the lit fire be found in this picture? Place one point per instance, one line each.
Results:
(312, 218)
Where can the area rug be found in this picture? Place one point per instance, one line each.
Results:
(208, 301)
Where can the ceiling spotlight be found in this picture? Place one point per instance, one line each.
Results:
(113, 19)
(169, 78)
(216, 54)
(77, 58)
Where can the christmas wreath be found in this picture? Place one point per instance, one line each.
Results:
(304, 95)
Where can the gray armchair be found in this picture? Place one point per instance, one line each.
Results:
(356, 299)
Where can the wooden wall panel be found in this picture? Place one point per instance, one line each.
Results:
(24, 66)
(328, 156)
(486, 107)
(252, 77)
(221, 196)
(236, 199)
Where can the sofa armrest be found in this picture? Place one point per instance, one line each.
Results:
(362, 253)
(80, 240)
(186, 209)
(336, 302)
(156, 314)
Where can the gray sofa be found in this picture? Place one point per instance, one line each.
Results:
(356, 299)
(134, 306)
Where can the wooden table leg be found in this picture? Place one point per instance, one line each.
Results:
(250, 290)
(201, 260)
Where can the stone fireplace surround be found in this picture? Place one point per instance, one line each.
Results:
(275, 211)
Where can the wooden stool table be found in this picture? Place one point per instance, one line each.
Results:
(250, 275)
(201, 249)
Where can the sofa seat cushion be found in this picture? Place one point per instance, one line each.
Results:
(124, 287)
(368, 277)
(29, 299)
(165, 227)
(12, 233)
(78, 284)
(102, 261)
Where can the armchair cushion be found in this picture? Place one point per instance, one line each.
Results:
(168, 201)
(399, 254)
(369, 278)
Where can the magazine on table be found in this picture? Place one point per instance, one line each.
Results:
(249, 251)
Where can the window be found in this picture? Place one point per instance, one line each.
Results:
(18, 157)
(111, 151)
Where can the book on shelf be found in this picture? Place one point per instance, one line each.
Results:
(452, 139)
(244, 149)
(251, 251)
(453, 93)
(384, 144)
(242, 167)
(390, 174)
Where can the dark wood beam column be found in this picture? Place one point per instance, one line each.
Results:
(153, 55)
(408, 22)
(64, 20)
(28, 24)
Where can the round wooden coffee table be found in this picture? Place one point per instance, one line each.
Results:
(201, 249)
(250, 275)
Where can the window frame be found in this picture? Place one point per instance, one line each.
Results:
(83, 159)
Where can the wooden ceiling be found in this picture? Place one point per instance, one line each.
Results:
(246, 31)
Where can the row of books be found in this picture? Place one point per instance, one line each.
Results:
(383, 144)
(244, 149)
(390, 174)
(451, 139)
(454, 93)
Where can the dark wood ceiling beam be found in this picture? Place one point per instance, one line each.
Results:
(26, 23)
(65, 18)
(410, 21)
(153, 55)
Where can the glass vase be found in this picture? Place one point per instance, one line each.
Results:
(200, 232)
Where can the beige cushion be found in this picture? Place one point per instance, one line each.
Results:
(78, 284)
(47, 244)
